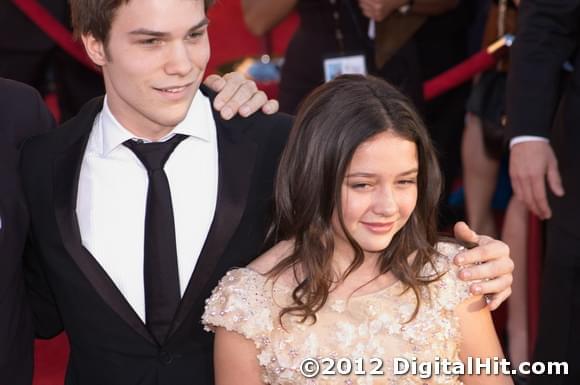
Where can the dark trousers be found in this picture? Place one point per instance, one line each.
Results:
(559, 327)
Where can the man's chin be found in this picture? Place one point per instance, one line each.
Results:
(172, 115)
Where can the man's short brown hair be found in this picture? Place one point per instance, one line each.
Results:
(96, 16)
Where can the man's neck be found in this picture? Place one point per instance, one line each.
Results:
(145, 130)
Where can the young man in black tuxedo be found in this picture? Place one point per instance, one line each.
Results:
(146, 198)
(23, 114)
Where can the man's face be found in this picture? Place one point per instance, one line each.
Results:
(155, 60)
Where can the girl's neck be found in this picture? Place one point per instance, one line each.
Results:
(343, 257)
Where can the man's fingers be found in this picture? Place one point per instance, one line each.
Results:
(256, 101)
(215, 82)
(492, 286)
(500, 269)
(271, 107)
(528, 197)
(497, 299)
(477, 272)
(233, 82)
(517, 189)
(538, 188)
(554, 179)
(464, 233)
(241, 96)
(489, 249)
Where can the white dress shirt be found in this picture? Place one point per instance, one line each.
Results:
(112, 197)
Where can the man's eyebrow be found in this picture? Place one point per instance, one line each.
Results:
(160, 34)
(201, 24)
(148, 32)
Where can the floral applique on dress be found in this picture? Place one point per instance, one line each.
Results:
(368, 326)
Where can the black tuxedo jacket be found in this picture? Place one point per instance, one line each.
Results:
(22, 114)
(542, 100)
(110, 345)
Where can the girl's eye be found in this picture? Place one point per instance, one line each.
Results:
(360, 186)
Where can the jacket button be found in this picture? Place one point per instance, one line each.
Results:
(166, 358)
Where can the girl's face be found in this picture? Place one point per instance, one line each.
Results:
(379, 193)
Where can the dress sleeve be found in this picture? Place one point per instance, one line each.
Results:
(241, 303)
(452, 290)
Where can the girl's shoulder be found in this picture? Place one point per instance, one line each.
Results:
(447, 288)
(268, 260)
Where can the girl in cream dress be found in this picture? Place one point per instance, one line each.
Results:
(358, 288)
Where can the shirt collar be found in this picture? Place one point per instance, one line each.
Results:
(196, 124)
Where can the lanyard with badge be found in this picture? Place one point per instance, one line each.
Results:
(342, 62)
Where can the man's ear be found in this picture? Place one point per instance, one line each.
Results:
(95, 49)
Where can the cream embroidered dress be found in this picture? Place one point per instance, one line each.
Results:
(364, 327)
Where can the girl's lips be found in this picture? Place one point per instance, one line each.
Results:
(379, 227)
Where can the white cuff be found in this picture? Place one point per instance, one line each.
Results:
(527, 138)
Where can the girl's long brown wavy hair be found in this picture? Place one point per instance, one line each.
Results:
(331, 124)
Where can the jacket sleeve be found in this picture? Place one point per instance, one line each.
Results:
(47, 320)
(547, 37)
(46, 317)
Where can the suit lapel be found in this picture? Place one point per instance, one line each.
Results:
(236, 155)
(66, 179)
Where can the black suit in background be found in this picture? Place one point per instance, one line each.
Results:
(542, 103)
(109, 342)
(28, 54)
(22, 114)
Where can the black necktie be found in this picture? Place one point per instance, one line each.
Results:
(160, 272)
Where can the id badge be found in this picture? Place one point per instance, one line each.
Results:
(340, 65)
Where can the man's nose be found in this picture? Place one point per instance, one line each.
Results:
(178, 61)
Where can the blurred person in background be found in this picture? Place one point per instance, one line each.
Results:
(32, 57)
(411, 41)
(22, 115)
(543, 117)
(483, 147)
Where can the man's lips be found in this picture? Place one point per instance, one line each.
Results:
(379, 227)
(173, 89)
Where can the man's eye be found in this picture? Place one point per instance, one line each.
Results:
(195, 35)
(150, 42)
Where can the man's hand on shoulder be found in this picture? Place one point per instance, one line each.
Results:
(236, 94)
(488, 262)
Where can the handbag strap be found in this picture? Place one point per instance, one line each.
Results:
(501, 19)
(501, 28)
